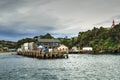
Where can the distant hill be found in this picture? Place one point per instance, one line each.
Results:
(8, 44)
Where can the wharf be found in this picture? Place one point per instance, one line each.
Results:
(43, 55)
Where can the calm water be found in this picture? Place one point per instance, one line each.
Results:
(77, 67)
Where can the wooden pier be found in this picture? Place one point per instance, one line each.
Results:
(43, 55)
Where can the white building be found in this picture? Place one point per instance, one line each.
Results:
(87, 49)
(25, 46)
(31, 46)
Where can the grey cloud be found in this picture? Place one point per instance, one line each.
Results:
(13, 4)
(116, 17)
(55, 16)
(104, 22)
(30, 22)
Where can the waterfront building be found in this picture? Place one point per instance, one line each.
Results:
(87, 49)
(32, 46)
(49, 43)
(25, 46)
(63, 48)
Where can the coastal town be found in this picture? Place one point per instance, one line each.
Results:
(59, 39)
(49, 44)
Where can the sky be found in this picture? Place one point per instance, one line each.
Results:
(28, 18)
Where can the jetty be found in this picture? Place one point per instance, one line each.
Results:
(44, 55)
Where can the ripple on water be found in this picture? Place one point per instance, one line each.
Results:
(77, 67)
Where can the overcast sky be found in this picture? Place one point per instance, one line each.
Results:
(28, 18)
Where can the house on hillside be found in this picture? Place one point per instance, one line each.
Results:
(12, 50)
(87, 49)
(5, 48)
(1, 49)
(48, 42)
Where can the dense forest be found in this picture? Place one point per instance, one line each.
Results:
(100, 38)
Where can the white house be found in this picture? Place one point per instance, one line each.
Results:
(87, 49)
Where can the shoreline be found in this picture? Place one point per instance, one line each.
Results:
(8, 52)
(68, 53)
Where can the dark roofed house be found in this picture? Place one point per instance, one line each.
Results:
(48, 42)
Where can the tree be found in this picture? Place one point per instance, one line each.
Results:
(22, 41)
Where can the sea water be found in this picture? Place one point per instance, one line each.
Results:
(76, 67)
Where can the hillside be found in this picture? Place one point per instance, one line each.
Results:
(8, 44)
(5, 45)
(100, 38)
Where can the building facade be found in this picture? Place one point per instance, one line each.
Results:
(63, 48)
(49, 43)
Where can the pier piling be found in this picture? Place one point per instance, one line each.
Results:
(43, 55)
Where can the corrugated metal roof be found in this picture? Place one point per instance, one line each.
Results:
(48, 40)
